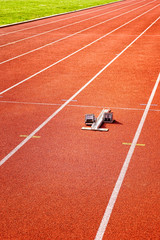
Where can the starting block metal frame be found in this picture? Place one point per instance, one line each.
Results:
(94, 129)
(105, 116)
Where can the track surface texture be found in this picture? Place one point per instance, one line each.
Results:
(57, 181)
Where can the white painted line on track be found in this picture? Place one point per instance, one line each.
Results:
(37, 73)
(59, 15)
(144, 104)
(31, 51)
(64, 100)
(113, 198)
(135, 35)
(32, 103)
(77, 105)
(68, 25)
(60, 20)
(103, 225)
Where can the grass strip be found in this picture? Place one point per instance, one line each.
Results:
(13, 11)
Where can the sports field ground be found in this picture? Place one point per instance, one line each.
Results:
(12, 11)
(59, 181)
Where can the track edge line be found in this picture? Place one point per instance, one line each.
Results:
(55, 15)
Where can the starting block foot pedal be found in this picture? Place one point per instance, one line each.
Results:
(89, 119)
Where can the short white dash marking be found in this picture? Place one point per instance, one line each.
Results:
(144, 104)
(64, 100)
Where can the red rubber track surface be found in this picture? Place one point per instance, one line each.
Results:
(58, 186)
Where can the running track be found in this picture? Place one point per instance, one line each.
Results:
(57, 181)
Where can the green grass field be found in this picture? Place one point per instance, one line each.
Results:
(12, 11)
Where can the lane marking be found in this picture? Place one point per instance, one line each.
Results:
(138, 144)
(71, 98)
(113, 198)
(32, 103)
(135, 35)
(64, 19)
(65, 26)
(24, 136)
(144, 104)
(77, 105)
(37, 73)
(71, 35)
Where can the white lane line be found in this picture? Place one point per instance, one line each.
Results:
(113, 198)
(68, 25)
(46, 45)
(37, 73)
(60, 20)
(68, 101)
(71, 35)
(32, 103)
(77, 105)
(144, 104)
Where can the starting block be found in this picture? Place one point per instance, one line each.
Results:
(105, 116)
(89, 119)
(108, 116)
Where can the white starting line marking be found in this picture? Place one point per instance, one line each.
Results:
(77, 105)
(113, 198)
(33, 103)
(144, 104)
(71, 98)
(64, 100)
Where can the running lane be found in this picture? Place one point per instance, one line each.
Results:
(30, 64)
(61, 81)
(136, 212)
(38, 41)
(61, 18)
(58, 186)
